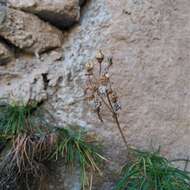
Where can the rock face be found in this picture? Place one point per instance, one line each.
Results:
(5, 54)
(62, 13)
(29, 33)
(3, 13)
(149, 42)
(82, 2)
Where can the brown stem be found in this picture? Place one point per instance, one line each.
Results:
(100, 69)
(120, 130)
(105, 102)
(99, 116)
(115, 116)
(110, 107)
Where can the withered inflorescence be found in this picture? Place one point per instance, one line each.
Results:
(99, 91)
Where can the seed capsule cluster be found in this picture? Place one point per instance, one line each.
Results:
(98, 89)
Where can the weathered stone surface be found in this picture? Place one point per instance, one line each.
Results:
(29, 33)
(5, 54)
(3, 13)
(62, 13)
(30, 79)
(149, 42)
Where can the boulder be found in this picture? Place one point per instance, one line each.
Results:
(61, 13)
(29, 33)
(5, 54)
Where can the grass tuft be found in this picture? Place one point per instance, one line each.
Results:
(33, 143)
(75, 149)
(25, 161)
(15, 118)
(151, 171)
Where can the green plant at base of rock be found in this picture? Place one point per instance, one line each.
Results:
(34, 144)
(18, 118)
(75, 149)
(151, 171)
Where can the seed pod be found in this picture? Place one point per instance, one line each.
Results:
(96, 105)
(107, 76)
(89, 93)
(116, 107)
(90, 97)
(102, 90)
(104, 79)
(109, 90)
(89, 67)
(114, 97)
(99, 56)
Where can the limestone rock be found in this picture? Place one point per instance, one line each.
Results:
(29, 33)
(149, 42)
(3, 13)
(62, 13)
(5, 54)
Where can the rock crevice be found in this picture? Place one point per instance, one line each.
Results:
(30, 25)
(61, 13)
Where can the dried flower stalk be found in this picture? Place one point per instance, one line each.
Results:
(99, 92)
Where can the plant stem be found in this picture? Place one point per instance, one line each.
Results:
(100, 69)
(120, 130)
(99, 116)
(115, 116)
(105, 103)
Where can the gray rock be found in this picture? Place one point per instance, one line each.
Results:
(29, 33)
(3, 14)
(149, 42)
(5, 54)
(62, 13)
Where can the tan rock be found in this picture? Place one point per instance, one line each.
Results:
(5, 54)
(29, 33)
(62, 13)
(149, 42)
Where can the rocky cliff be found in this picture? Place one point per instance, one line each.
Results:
(44, 46)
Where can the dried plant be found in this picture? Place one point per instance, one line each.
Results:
(30, 144)
(25, 162)
(76, 150)
(33, 143)
(99, 91)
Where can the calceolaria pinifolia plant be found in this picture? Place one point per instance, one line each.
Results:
(32, 143)
(99, 91)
